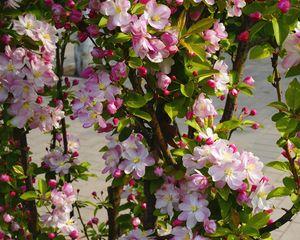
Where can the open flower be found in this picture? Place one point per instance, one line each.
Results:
(117, 12)
(292, 47)
(157, 14)
(258, 198)
(167, 198)
(194, 209)
(204, 108)
(253, 167)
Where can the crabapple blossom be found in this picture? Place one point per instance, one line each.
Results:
(12, 3)
(163, 80)
(167, 198)
(57, 161)
(197, 160)
(258, 198)
(137, 234)
(117, 12)
(221, 79)
(291, 45)
(181, 233)
(253, 167)
(234, 7)
(136, 157)
(194, 209)
(203, 108)
(157, 15)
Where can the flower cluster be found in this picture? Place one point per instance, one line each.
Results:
(130, 156)
(24, 74)
(59, 217)
(98, 89)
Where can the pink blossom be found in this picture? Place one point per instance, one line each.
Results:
(57, 161)
(258, 198)
(112, 159)
(249, 80)
(194, 209)
(12, 3)
(136, 157)
(118, 71)
(197, 182)
(210, 226)
(197, 160)
(203, 108)
(234, 7)
(7, 218)
(163, 80)
(180, 233)
(137, 234)
(117, 12)
(253, 167)
(26, 25)
(157, 15)
(167, 198)
(221, 79)
(293, 53)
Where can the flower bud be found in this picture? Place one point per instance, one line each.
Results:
(244, 36)
(117, 173)
(284, 5)
(76, 16)
(211, 83)
(255, 126)
(135, 222)
(74, 234)
(93, 30)
(256, 16)
(249, 81)
(142, 71)
(209, 226)
(253, 112)
(52, 183)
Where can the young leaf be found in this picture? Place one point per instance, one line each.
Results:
(201, 25)
(282, 166)
(258, 220)
(279, 192)
(292, 95)
(28, 196)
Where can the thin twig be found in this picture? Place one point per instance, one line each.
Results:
(81, 220)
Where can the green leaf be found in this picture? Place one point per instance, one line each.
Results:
(141, 114)
(250, 231)
(155, 184)
(181, 23)
(194, 47)
(228, 125)
(289, 183)
(279, 192)
(286, 125)
(175, 108)
(279, 105)
(28, 196)
(138, 9)
(180, 152)
(256, 28)
(103, 22)
(245, 88)
(258, 220)
(193, 123)
(122, 124)
(124, 134)
(135, 62)
(225, 207)
(187, 89)
(42, 186)
(220, 232)
(292, 95)
(120, 38)
(280, 30)
(282, 166)
(201, 25)
(296, 141)
(293, 71)
(224, 192)
(135, 100)
(261, 51)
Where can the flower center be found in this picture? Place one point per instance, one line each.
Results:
(25, 105)
(10, 67)
(28, 26)
(262, 194)
(101, 86)
(156, 18)
(37, 74)
(194, 208)
(228, 172)
(46, 36)
(118, 10)
(136, 160)
(250, 167)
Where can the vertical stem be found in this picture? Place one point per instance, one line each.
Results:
(277, 77)
(20, 135)
(149, 218)
(238, 66)
(114, 198)
(81, 221)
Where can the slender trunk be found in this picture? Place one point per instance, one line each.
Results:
(20, 136)
(238, 67)
(114, 198)
(149, 218)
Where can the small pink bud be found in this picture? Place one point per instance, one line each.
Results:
(52, 183)
(158, 171)
(76, 16)
(256, 16)
(253, 112)
(222, 98)
(249, 80)
(70, 4)
(131, 198)
(284, 153)
(116, 121)
(211, 83)
(95, 220)
(39, 100)
(199, 139)
(245, 110)
(189, 115)
(255, 126)
(75, 82)
(234, 92)
(117, 173)
(5, 39)
(4, 178)
(166, 92)
(209, 141)
(74, 234)
(284, 5)
(131, 182)
(244, 36)
(135, 222)
(142, 71)
(51, 235)
(177, 223)
(144, 205)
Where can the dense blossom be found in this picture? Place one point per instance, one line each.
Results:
(291, 45)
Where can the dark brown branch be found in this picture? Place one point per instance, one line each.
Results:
(114, 199)
(20, 136)
(277, 77)
(287, 217)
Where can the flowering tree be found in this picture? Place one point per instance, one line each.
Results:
(156, 65)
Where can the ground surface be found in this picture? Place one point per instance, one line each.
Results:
(261, 142)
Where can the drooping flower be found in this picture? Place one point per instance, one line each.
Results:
(194, 209)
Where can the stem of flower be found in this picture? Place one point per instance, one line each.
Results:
(81, 220)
